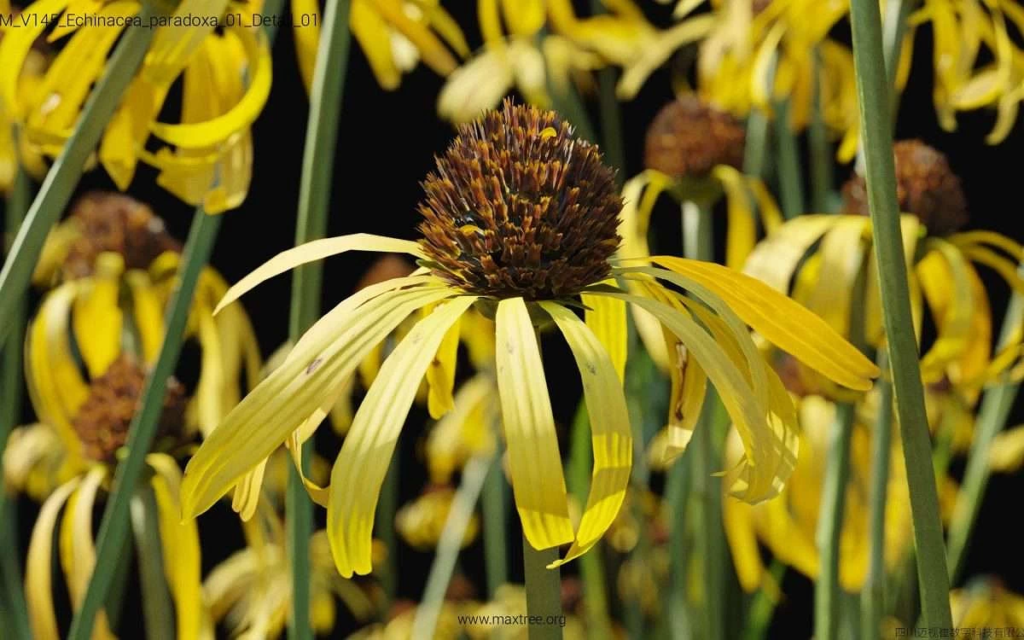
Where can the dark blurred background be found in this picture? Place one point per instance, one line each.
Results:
(386, 146)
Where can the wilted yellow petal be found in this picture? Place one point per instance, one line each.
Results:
(366, 454)
(609, 423)
(1006, 455)
(775, 258)
(441, 375)
(38, 583)
(316, 250)
(534, 460)
(742, 231)
(96, 315)
(374, 37)
(307, 36)
(606, 317)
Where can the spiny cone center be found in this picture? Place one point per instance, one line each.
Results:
(925, 186)
(103, 419)
(519, 207)
(117, 223)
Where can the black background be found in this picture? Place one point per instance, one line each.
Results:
(386, 147)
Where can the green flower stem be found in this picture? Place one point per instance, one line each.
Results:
(791, 190)
(599, 625)
(754, 151)
(450, 543)
(113, 528)
(992, 417)
(678, 490)
(12, 599)
(543, 592)
(156, 598)
(495, 504)
(60, 182)
(873, 92)
(387, 507)
(827, 593)
(611, 115)
(873, 595)
(314, 201)
(821, 148)
(763, 606)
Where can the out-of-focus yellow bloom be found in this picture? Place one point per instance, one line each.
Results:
(394, 34)
(787, 524)
(520, 253)
(206, 158)
(14, 151)
(510, 603)
(544, 46)
(987, 605)
(112, 268)
(421, 521)
(251, 591)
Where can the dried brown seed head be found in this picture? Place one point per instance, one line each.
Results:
(103, 419)
(519, 207)
(925, 187)
(688, 138)
(115, 222)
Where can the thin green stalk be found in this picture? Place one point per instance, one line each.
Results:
(873, 594)
(387, 506)
(495, 534)
(791, 191)
(543, 593)
(873, 92)
(763, 607)
(827, 593)
(450, 543)
(114, 604)
(114, 526)
(599, 625)
(314, 201)
(15, 613)
(756, 146)
(611, 116)
(894, 28)
(678, 489)
(59, 185)
(156, 598)
(992, 417)
(698, 244)
(820, 147)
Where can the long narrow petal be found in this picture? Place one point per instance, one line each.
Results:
(38, 579)
(775, 258)
(327, 353)
(782, 321)
(313, 251)
(534, 461)
(611, 435)
(441, 375)
(364, 459)
(180, 541)
(97, 318)
(606, 317)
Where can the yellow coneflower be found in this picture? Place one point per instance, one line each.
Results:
(520, 221)
(14, 151)
(693, 153)
(250, 592)
(111, 265)
(421, 521)
(206, 158)
(988, 607)
(943, 277)
(787, 525)
(395, 36)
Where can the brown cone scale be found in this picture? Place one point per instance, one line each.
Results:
(688, 138)
(925, 187)
(117, 223)
(103, 419)
(519, 207)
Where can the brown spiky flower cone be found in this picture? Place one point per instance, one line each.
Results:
(925, 186)
(520, 207)
(688, 139)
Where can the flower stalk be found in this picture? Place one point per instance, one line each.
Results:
(495, 501)
(60, 182)
(873, 594)
(790, 183)
(820, 148)
(450, 543)
(326, 96)
(156, 599)
(543, 592)
(873, 93)
(15, 613)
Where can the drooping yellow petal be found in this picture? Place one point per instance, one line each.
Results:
(327, 353)
(1006, 455)
(742, 231)
(374, 37)
(609, 423)
(467, 431)
(775, 258)
(441, 375)
(534, 460)
(313, 251)
(430, 48)
(38, 583)
(16, 45)
(842, 256)
(96, 315)
(606, 317)
(944, 280)
(148, 314)
(366, 454)
(175, 43)
(523, 17)
(307, 38)
(782, 321)
(180, 540)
